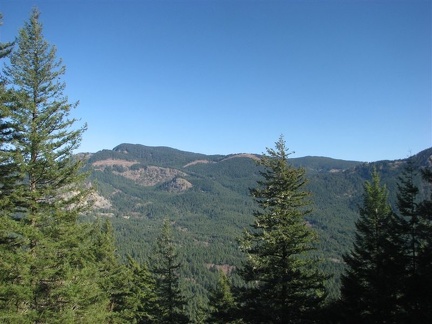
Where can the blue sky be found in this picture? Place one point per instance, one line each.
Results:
(343, 79)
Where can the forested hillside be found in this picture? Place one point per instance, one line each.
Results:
(207, 198)
(143, 234)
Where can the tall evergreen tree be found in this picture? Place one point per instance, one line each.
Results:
(284, 282)
(47, 271)
(425, 248)
(41, 112)
(114, 276)
(165, 267)
(142, 299)
(416, 228)
(130, 286)
(223, 308)
(12, 261)
(369, 290)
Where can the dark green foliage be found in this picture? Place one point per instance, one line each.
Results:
(130, 286)
(425, 248)
(113, 276)
(47, 271)
(211, 214)
(8, 133)
(284, 281)
(164, 156)
(40, 112)
(56, 268)
(143, 298)
(369, 288)
(165, 267)
(223, 307)
(416, 227)
(315, 164)
(388, 278)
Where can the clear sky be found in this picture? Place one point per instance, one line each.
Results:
(343, 79)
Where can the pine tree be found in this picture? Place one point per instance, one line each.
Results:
(48, 273)
(114, 277)
(142, 298)
(284, 283)
(13, 262)
(41, 112)
(425, 249)
(369, 290)
(416, 228)
(130, 286)
(165, 268)
(223, 308)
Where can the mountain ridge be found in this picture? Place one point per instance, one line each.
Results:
(146, 152)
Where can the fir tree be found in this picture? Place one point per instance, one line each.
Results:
(13, 262)
(369, 290)
(425, 249)
(284, 283)
(114, 277)
(223, 307)
(130, 286)
(142, 298)
(48, 273)
(165, 268)
(41, 112)
(416, 226)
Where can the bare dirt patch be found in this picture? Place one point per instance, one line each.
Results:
(151, 175)
(225, 268)
(196, 162)
(242, 155)
(111, 162)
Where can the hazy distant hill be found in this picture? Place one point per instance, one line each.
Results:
(207, 198)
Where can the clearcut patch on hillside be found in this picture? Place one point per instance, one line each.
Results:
(197, 162)
(145, 175)
(242, 155)
(110, 162)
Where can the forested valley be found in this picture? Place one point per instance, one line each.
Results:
(142, 234)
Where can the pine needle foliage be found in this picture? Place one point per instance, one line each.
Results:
(285, 284)
(416, 220)
(165, 267)
(223, 307)
(48, 273)
(425, 248)
(41, 113)
(369, 290)
(8, 133)
(142, 295)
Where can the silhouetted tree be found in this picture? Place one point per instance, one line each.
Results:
(369, 290)
(415, 217)
(425, 249)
